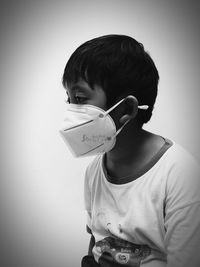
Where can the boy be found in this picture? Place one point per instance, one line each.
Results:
(141, 190)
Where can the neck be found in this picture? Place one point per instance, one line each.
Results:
(133, 150)
(129, 144)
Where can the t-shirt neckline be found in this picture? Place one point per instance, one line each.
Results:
(168, 143)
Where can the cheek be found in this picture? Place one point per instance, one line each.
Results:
(103, 105)
(99, 97)
(115, 118)
(116, 114)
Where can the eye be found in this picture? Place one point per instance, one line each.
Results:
(67, 100)
(80, 99)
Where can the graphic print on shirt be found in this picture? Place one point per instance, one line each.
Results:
(116, 250)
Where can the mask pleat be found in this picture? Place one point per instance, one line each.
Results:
(78, 125)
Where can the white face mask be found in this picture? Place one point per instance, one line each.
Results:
(89, 130)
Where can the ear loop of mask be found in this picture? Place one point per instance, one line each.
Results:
(143, 107)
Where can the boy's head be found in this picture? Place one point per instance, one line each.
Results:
(120, 66)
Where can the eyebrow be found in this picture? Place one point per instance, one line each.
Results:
(79, 87)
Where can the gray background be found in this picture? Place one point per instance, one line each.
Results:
(42, 219)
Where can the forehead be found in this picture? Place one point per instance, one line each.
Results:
(80, 85)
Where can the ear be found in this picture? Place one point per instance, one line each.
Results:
(130, 108)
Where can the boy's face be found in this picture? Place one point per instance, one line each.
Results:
(82, 93)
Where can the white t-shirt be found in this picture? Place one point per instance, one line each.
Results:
(151, 221)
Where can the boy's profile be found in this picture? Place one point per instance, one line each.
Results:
(141, 190)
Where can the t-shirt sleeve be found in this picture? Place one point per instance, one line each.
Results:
(182, 214)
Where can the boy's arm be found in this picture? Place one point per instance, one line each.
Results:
(182, 238)
(92, 241)
(91, 245)
(182, 217)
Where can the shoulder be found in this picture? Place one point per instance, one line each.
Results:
(180, 161)
(95, 165)
(93, 169)
(181, 154)
(183, 179)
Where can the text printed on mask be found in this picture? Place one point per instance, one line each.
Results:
(95, 138)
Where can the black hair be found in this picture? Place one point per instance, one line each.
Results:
(120, 65)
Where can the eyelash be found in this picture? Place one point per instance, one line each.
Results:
(67, 101)
(78, 99)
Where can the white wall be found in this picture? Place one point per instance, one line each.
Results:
(42, 220)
